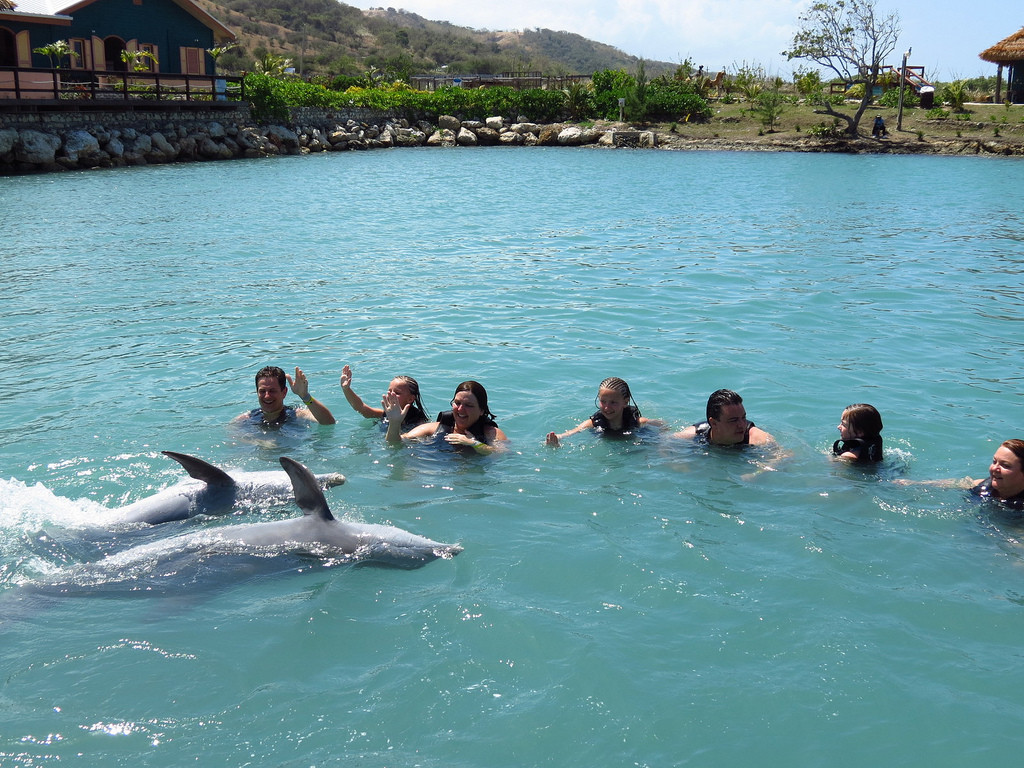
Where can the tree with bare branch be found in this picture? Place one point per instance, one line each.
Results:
(850, 38)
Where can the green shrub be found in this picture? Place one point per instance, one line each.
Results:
(937, 113)
(610, 85)
(676, 100)
(891, 98)
(271, 98)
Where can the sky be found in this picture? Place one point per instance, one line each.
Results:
(945, 36)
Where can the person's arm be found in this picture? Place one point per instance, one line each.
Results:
(555, 440)
(494, 435)
(395, 414)
(687, 434)
(656, 423)
(355, 400)
(963, 482)
(316, 409)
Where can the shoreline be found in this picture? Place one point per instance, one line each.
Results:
(112, 141)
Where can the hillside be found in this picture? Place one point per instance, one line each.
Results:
(328, 38)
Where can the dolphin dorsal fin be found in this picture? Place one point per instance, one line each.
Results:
(308, 494)
(200, 469)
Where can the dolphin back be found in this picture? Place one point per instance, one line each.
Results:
(201, 470)
(308, 494)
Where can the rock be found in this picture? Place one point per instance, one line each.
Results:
(441, 138)
(466, 138)
(81, 145)
(8, 138)
(408, 137)
(215, 130)
(487, 136)
(571, 136)
(548, 136)
(36, 147)
(511, 139)
(283, 138)
(449, 123)
(495, 123)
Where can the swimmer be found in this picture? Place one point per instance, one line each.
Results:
(469, 423)
(272, 387)
(405, 388)
(1005, 481)
(726, 423)
(617, 413)
(859, 438)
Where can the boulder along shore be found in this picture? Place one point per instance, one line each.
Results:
(61, 145)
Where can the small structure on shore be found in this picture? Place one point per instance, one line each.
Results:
(1008, 53)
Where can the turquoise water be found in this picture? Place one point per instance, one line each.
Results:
(616, 603)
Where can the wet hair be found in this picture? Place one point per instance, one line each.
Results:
(863, 420)
(416, 410)
(478, 391)
(718, 400)
(615, 384)
(272, 372)
(1015, 445)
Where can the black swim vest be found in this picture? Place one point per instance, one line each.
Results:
(984, 490)
(413, 418)
(630, 421)
(256, 417)
(704, 433)
(446, 423)
(866, 450)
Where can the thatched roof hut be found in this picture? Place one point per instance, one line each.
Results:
(1008, 53)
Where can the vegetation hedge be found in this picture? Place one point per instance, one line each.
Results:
(271, 97)
(664, 99)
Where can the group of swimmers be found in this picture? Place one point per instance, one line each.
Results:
(471, 425)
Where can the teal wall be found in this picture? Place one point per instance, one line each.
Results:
(159, 22)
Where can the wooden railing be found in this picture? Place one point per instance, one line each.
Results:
(40, 85)
(519, 81)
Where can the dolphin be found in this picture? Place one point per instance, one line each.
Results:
(319, 532)
(145, 568)
(215, 493)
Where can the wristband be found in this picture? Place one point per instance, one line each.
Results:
(308, 402)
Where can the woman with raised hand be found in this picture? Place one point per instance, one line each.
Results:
(469, 424)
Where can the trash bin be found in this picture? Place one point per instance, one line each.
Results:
(927, 97)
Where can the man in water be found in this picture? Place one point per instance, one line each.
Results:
(726, 423)
(272, 387)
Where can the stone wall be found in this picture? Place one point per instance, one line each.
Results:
(46, 142)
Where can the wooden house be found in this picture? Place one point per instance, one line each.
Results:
(1008, 53)
(177, 34)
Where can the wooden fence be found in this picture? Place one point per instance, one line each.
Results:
(32, 87)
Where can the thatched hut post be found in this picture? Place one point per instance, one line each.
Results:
(1009, 53)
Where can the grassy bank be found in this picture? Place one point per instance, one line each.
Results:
(737, 122)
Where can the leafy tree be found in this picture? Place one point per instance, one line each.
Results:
(578, 100)
(55, 51)
(609, 86)
(769, 103)
(850, 38)
(273, 65)
(637, 96)
(955, 94)
(138, 61)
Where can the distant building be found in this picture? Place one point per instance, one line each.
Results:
(1008, 53)
(176, 32)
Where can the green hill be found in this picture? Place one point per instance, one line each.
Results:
(328, 38)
